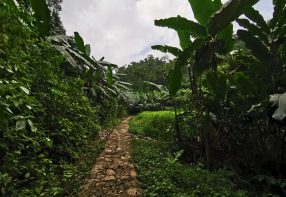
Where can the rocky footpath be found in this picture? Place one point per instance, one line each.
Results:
(113, 173)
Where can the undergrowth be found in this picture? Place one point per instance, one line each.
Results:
(85, 163)
(162, 174)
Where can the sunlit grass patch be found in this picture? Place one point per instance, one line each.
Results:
(153, 124)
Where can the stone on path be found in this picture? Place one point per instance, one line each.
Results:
(113, 173)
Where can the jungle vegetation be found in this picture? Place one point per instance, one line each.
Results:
(212, 120)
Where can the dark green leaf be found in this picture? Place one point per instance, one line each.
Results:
(182, 24)
(20, 125)
(217, 5)
(244, 83)
(24, 89)
(33, 128)
(110, 75)
(226, 36)
(278, 9)
(79, 42)
(217, 83)
(258, 49)
(167, 49)
(174, 80)
(159, 87)
(188, 52)
(255, 30)
(256, 17)
(67, 56)
(43, 16)
(204, 9)
(184, 38)
(87, 49)
(104, 63)
(229, 12)
(9, 110)
(175, 77)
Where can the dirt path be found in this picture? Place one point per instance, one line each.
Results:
(113, 173)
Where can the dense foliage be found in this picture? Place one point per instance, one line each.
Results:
(150, 69)
(148, 79)
(230, 121)
(225, 92)
(160, 171)
(47, 115)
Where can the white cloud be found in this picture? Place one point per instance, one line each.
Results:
(123, 30)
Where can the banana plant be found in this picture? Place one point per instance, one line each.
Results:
(200, 43)
(201, 40)
(265, 41)
(98, 74)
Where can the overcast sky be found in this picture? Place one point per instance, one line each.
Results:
(123, 30)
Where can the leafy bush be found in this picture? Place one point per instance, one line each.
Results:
(231, 78)
(46, 116)
(159, 171)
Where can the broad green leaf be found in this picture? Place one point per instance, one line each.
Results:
(9, 110)
(124, 83)
(27, 175)
(184, 38)
(109, 75)
(33, 128)
(174, 80)
(167, 49)
(188, 52)
(43, 16)
(104, 63)
(175, 77)
(217, 4)
(280, 32)
(229, 12)
(252, 28)
(256, 17)
(87, 62)
(217, 83)
(278, 10)
(204, 9)
(182, 24)
(87, 49)
(258, 49)
(20, 125)
(159, 87)
(25, 90)
(122, 86)
(29, 107)
(226, 36)
(244, 83)
(79, 42)
(67, 56)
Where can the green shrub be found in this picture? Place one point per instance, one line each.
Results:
(46, 118)
(157, 161)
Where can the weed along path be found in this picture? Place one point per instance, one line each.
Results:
(113, 173)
